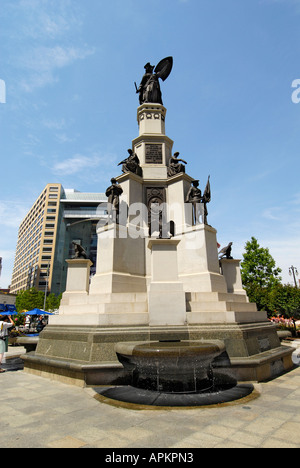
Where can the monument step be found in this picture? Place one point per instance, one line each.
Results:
(107, 298)
(99, 320)
(217, 317)
(123, 308)
(222, 306)
(215, 297)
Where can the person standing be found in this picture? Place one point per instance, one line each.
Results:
(41, 324)
(4, 326)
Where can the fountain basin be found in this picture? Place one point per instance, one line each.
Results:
(170, 366)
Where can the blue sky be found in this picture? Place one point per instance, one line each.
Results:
(70, 114)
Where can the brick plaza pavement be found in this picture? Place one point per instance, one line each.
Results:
(41, 413)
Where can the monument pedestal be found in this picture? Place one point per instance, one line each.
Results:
(166, 296)
(154, 289)
(230, 269)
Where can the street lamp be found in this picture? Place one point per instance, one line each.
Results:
(293, 271)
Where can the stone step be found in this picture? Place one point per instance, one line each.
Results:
(221, 306)
(217, 317)
(117, 298)
(123, 308)
(215, 297)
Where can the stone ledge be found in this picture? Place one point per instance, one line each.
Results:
(256, 368)
(76, 373)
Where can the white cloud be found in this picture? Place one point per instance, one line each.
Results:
(46, 37)
(77, 164)
(63, 138)
(41, 64)
(58, 124)
(50, 19)
(12, 213)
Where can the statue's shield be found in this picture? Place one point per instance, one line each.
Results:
(164, 68)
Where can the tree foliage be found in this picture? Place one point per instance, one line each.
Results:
(32, 298)
(259, 274)
(286, 301)
(259, 267)
(262, 282)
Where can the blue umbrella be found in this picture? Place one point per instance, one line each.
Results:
(37, 312)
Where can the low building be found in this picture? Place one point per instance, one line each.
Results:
(7, 301)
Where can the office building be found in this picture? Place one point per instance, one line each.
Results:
(45, 237)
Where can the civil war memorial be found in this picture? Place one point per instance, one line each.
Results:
(165, 312)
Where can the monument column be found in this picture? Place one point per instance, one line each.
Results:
(152, 146)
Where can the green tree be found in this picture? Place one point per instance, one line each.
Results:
(32, 298)
(258, 266)
(286, 302)
(259, 274)
(53, 302)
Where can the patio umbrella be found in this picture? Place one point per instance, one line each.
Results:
(38, 312)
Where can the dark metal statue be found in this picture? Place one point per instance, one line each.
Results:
(206, 199)
(113, 193)
(226, 252)
(149, 89)
(79, 251)
(175, 167)
(131, 164)
(195, 197)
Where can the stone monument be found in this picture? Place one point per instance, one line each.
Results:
(158, 273)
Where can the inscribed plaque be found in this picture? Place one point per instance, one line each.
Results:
(154, 154)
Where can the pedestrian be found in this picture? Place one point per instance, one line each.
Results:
(5, 324)
(41, 324)
(27, 322)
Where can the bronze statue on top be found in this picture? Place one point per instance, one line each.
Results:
(149, 89)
